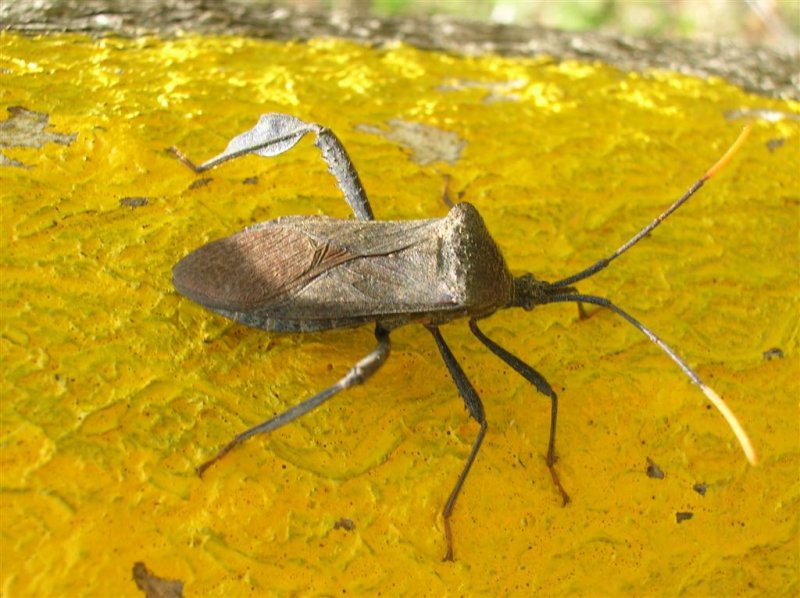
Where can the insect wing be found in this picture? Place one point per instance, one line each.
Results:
(268, 267)
(254, 268)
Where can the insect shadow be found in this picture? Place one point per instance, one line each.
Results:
(310, 273)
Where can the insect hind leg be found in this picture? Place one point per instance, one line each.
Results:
(358, 374)
(341, 167)
(276, 133)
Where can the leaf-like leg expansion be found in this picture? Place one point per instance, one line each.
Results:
(277, 133)
(358, 374)
(475, 408)
(535, 378)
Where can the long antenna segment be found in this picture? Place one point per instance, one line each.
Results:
(600, 264)
(564, 292)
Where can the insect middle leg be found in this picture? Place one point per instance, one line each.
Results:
(475, 408)
(358, 374)
(535, 378)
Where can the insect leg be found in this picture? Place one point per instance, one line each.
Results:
(475, 408)
(341, 167)
(446, 192)
(358, 374)
(535, 378)
(277, 133)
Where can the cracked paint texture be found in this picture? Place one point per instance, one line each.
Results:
(114, 387)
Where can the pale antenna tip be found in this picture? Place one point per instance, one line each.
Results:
(738, 430)
(723, 161)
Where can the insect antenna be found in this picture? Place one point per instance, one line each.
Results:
(716, 400)
(603, 263)
(561, 291)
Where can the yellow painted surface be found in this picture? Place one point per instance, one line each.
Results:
(114, 387)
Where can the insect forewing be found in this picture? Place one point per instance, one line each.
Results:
(266, 267)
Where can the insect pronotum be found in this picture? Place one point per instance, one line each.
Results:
(310, 273)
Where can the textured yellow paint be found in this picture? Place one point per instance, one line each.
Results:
(114, 387)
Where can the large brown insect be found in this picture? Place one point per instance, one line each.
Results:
(304, 273)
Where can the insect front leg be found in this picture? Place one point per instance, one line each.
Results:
(475, 408)
(358, 374)
(535, 378)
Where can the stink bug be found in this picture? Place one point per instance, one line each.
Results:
(304, 273)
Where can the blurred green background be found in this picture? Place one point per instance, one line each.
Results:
(769, 22)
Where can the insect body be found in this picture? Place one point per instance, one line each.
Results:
(335, 273)
(303, 273)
